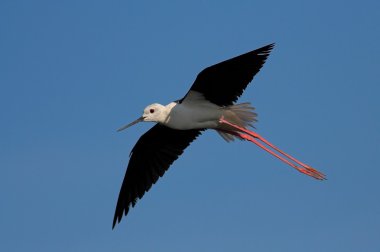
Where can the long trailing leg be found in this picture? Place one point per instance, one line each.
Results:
(254, 138)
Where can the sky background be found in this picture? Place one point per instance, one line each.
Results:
(72, 72)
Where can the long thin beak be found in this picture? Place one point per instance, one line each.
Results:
(131, 124)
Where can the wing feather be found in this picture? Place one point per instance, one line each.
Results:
(224, 82)
(152, 155)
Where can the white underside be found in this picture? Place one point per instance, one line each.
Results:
(195, 112)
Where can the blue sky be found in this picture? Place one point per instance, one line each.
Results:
(72, 72)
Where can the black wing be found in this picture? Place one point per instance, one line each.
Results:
(152, 155)
(224, 82)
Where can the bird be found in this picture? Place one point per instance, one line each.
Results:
(209, 104)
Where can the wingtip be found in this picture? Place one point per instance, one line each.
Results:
(272, 45)
(267, 49)
(116, 218)
(115, 221)
(113, 224)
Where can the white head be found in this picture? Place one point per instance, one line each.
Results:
(152, 113)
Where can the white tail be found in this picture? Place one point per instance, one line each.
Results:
(239, 114)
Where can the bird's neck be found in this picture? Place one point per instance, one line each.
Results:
(165, 113)
(168, 108)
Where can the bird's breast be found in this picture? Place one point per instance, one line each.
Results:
(193, 116)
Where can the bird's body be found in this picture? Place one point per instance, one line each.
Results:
(182, 116)
(192, 114)
(209, 104)
(195, 112)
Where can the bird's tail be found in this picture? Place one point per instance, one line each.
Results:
(241, 114)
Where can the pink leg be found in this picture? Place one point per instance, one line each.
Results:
(252, 136)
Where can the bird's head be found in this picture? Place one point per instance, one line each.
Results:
(152, 113)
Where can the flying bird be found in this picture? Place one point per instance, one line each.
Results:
(209, 104)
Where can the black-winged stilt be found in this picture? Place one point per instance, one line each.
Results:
(209, 104)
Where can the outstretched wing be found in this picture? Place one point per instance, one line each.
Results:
(224, 82)
(152, 155)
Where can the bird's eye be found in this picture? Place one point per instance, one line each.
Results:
(151, 111)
